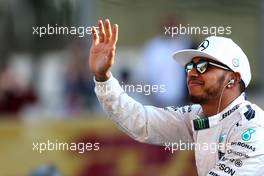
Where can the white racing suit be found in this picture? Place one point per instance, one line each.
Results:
(238, 131)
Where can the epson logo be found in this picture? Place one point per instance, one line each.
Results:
(226, 169)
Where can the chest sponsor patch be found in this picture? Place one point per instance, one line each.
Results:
(230, 111)
(246, 135)
(226, 169)
(244, 145)
(250, 114)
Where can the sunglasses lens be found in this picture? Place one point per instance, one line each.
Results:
(201, 67)
(188, 67)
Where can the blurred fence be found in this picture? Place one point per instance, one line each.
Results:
(111, 153)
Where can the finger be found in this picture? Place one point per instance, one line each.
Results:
(114, 37)
(95, 36)
(111, 56)
(108, 30)
(101, 30)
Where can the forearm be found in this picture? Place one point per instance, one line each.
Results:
(143, 123)
(128, 114)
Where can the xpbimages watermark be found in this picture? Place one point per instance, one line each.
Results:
(146, 89)
(179, 146)
(80, 31)
(196, 30)
(80, 147)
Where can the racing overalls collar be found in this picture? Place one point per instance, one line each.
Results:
(208, 122)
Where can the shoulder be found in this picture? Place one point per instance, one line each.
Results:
(251, 116)
(248, 133)
(188, 110)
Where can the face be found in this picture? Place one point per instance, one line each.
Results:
(205, 87)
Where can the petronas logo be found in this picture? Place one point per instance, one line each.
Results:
(246, 135)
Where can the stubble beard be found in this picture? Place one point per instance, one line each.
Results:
(209, 93)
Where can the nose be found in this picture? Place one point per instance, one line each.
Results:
(193, 73)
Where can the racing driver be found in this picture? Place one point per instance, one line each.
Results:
(218, 73)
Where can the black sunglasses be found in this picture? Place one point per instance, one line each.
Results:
(202, 66)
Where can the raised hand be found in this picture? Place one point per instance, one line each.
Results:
(102, 52)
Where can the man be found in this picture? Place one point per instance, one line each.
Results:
(218, 73)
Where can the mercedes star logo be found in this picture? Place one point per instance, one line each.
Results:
(204, 45)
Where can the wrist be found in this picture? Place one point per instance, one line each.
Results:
(103, 77)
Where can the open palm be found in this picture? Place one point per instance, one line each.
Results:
(102, 51)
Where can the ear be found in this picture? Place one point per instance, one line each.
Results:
(234, 79)
(237, 77)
